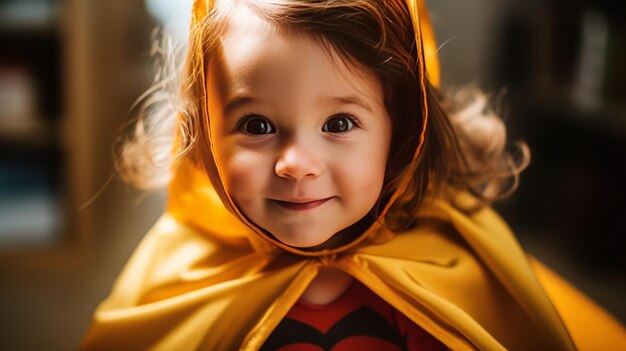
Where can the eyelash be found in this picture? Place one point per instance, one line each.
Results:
(246, 118)
(347, 115)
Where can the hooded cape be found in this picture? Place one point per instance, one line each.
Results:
(206, 278)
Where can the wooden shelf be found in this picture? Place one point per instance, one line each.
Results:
(29, 16)
(32, 191)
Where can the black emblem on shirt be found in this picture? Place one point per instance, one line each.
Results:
(360, 322)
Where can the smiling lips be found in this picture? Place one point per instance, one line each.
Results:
(301, 205)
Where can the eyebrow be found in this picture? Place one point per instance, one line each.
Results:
(237, 102)
(347, 100)
(243, 100)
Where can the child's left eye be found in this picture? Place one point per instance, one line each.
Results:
(339, 124)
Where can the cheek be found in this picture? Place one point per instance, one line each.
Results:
(364, 171)
(243, 173)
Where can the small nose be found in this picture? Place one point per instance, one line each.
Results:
(296, 162)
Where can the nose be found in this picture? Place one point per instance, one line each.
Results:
(297, 163)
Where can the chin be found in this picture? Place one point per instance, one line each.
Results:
(301, 239)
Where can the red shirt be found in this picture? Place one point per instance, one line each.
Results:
(358, 320)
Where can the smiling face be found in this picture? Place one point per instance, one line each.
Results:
(301, 138)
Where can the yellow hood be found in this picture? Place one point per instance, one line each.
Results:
(206, 278)
(427, 56)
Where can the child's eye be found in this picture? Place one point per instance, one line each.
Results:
(339, 124)
(256, 125)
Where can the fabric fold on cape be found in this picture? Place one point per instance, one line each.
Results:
(458, 276)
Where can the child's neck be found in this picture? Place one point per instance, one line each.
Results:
(327, 286)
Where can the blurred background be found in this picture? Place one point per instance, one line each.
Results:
(71, 69)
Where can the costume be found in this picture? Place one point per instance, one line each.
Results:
(206, 278)
(200, 284)
(357, 320)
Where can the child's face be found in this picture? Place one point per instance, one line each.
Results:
(301, 138)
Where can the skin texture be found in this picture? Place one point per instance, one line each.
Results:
(303, 181)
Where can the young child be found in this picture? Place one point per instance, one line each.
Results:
(324, 197)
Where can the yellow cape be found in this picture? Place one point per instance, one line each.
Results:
(205, 278)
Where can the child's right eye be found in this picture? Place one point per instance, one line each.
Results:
(256, 125)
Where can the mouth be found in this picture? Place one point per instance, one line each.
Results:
(300, 205)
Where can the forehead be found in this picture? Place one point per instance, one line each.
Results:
(256, 55)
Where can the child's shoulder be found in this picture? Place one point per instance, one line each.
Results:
(496, 246)
(474, 222)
